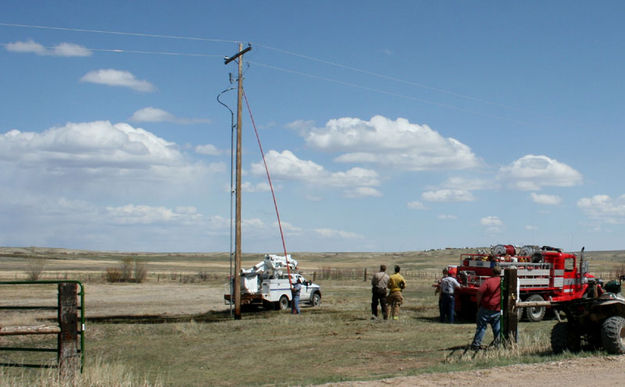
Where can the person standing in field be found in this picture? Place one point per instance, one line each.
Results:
(396, 285)
(447, 298)
(379, 283)
(295, 290)
(488, 301)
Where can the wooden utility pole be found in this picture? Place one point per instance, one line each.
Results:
(237, 238)
(509, 298)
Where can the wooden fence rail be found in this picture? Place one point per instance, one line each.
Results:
(69, 331)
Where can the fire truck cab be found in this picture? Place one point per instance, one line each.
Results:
(544, 273)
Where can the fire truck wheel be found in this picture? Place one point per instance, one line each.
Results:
(536, 313)
(613, 335)
(563, 338)
(283, 304)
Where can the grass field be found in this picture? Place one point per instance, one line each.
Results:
(175, 331)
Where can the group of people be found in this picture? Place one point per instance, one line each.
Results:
(380, 284)
(488, 300)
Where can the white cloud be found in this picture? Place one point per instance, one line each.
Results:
(62, 49)
(88, 144)
(550, 200)
(302, 127)
(491, 221)
(109, 155)
(398, 144)
(29, 46)
(142, 214)
(288, 228)
(331, 233)
(360, 192)
(447, 217)
(70, 49)
(112, 77)
(492, 224)
(448, 195)
(531, 173)
(603, 208)
(208, 149)
(258, 187)
(356, 182)
(469, 183)
(152, 114)
(416, 205)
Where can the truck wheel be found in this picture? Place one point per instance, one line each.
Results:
(564, 338)
(315, 300)
(613, 335)
(283, 304)
(535, 313)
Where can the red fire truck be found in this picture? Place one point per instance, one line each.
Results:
(544, 273)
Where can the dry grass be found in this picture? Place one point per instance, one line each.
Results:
(168, 332)
(100, 373)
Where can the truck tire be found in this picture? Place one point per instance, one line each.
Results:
(283, 304)
(564, 338)
(613, 335)
(315, 300)
(535, 313)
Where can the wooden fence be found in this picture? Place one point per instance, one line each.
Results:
(69, 327)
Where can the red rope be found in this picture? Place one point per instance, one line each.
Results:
(273, 194)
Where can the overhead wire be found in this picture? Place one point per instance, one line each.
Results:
(109, 32)
(280, 50)
(384, 76)
(380, 91)
(294, 54)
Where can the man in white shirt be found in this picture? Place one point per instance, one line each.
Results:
(379, 281)
(448, 301)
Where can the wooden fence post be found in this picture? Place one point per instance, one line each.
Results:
(68, 358)
(509, 298)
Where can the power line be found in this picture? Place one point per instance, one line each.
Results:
(391, 93)
(124, 51)
(144, 35)
(283, 51)
(384, 76)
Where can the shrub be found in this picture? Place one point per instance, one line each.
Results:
(141, 272)
(113, 274)
(35, 268)
(129, 270)
(126, 269)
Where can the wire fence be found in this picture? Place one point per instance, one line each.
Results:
(330, 273)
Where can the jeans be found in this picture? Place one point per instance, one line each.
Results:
(379, 296)
(295, 303)
(447, 307)
(484, 317)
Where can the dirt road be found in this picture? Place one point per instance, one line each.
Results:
(594, 371)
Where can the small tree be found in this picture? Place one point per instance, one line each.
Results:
(141, 272)
(126, 269)
(35, 268)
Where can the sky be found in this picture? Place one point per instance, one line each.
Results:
(386, 126)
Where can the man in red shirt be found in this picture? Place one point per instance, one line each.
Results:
(489, 302)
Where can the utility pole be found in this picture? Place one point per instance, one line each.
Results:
(237, 238)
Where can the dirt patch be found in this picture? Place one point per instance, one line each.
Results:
(593, 371)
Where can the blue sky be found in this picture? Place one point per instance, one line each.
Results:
(387, 126)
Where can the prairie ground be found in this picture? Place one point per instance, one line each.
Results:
(174, 328)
